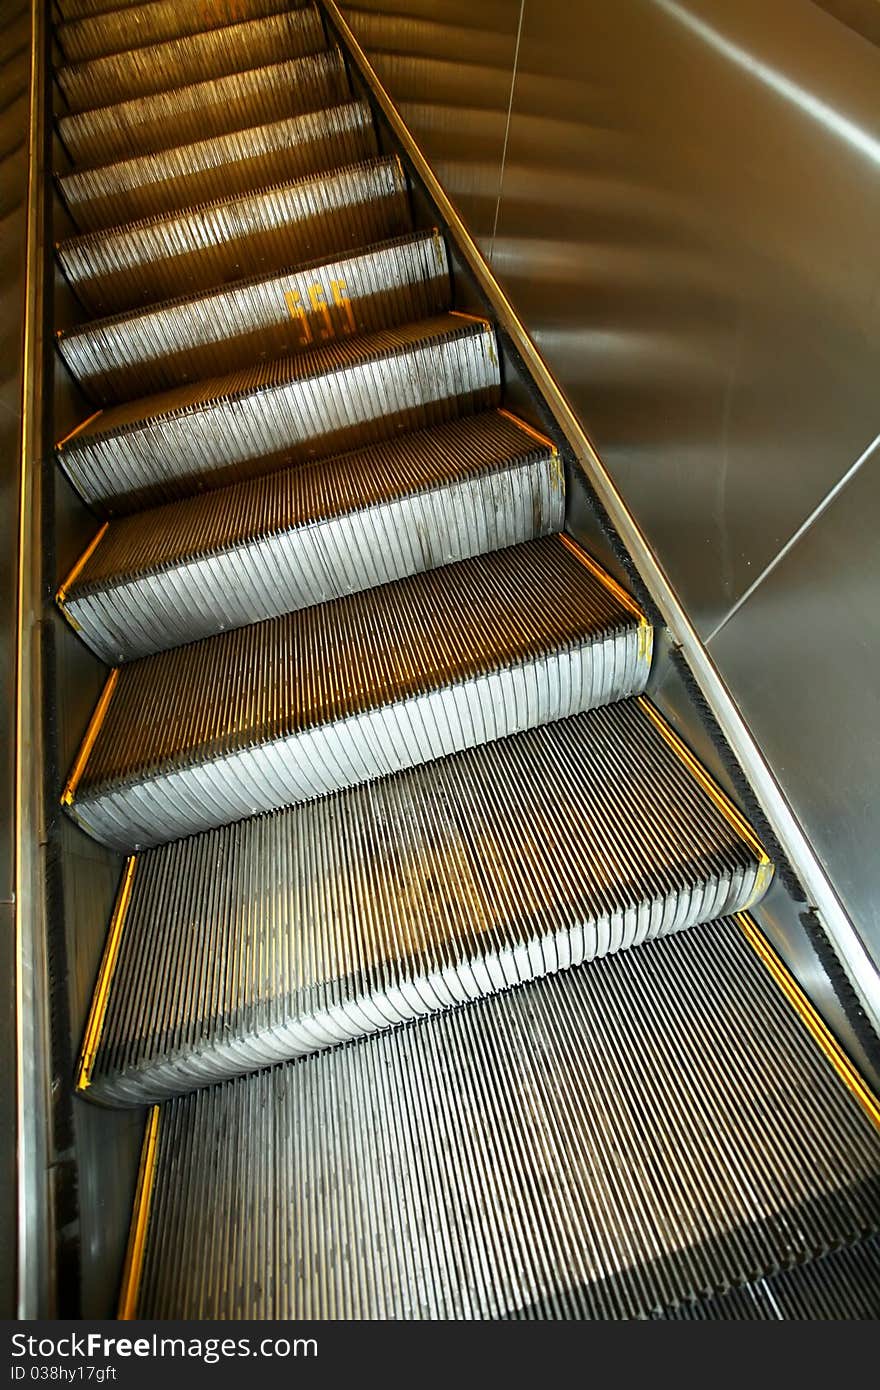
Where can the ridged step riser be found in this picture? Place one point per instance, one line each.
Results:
(148, 124)
(324, 561)
(232, 328)
(344, 692)
(197, 250)
(274, 938)
(366, 746)
(604, 1143)
(314, 1029)
(350, 404)
(417, 483)
(117, 30)
(220, 167)
(196, 58)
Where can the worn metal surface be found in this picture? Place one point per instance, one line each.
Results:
(213, 107)
(179, 62)
(118, 28)
(313, 533)
(260, 718)
(331, 397)
(262, 317)
(274, 938)
(244, 160)
(605, 1142)
(201, 247)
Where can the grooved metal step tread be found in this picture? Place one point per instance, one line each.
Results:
(154, 21)
(340, 395)
(265, 316)
(273, 938)
(342, 693)
(311, 533)
(606, 1142)
(244, 160)
(78, 9)
(147, 124)
(204, 246)
(842, 1286)
(198, 57)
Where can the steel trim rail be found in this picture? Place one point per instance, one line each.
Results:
(32, 1069)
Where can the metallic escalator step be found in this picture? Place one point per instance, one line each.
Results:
(77, 9)
(842, 1286)
(224, 329)
(153, 185)
(153, 21)
(347, 691)
(311, 533)
(273, 938)
(198, 57)
(147, 124)
(606, 1142)
(202, 247)
(339, 395)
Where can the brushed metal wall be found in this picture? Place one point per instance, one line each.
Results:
(683, 200)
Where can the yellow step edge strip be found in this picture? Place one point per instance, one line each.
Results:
(814, 1024)
(646, 631)
(88, 742)
(64, 589)
(489, 327)
(529, 429)
(78, 429)
(596, 569)
(559, 475)
(97, 1013)
(727, 808)
(140, 1217)
(471, 318)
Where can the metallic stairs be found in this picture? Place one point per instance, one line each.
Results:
(841, 1287)
(431, 951)
(605, 1142)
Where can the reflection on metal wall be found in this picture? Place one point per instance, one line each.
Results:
(449, 66)
(682, 199)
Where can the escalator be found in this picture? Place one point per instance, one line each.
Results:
(432, 956)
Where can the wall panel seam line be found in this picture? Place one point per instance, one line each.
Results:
(798, 535)
(522, 9)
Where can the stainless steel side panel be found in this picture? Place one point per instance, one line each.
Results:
(449, 65)
(687, 226)
(803, 652)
